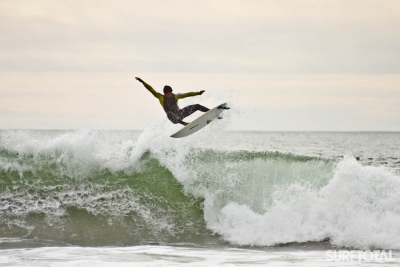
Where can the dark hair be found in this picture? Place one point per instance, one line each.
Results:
(167, 89)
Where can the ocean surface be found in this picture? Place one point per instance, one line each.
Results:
(141, 198)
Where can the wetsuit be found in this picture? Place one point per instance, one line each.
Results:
(170, 105)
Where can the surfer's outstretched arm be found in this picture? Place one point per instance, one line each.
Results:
(180, 96)
(152, 91)
(148, 87)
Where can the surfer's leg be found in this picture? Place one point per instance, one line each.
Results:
(175, 118)
(186, 111)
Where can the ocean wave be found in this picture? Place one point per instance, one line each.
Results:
(94, 187)
(358, 208)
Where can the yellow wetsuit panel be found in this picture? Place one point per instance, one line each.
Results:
(180, 96)
(160, 97)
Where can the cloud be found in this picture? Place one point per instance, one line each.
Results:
(201, 36)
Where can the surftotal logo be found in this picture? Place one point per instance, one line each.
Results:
(360, 255)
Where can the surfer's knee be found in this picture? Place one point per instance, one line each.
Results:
(173, 118)
(173, 121)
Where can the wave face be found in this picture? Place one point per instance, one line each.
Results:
(121, 188)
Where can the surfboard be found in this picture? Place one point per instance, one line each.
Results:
(200, 122)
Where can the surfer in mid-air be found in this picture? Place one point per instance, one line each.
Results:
(169, 101)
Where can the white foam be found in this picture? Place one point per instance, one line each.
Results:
(168, 256)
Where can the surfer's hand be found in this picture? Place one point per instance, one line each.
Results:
(201, 92)
(140, 80)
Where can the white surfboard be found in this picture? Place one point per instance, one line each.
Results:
(200, 122)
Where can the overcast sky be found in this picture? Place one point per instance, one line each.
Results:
(305, 65)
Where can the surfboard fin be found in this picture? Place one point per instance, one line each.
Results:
(223, 106)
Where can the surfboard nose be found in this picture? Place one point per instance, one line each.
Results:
(223, 106)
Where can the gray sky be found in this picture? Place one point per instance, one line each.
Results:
(282, 65)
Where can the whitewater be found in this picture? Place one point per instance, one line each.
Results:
(213, 198)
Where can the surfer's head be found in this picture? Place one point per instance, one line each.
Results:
(168, 91)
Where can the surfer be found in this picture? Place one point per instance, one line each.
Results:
(169, 101)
